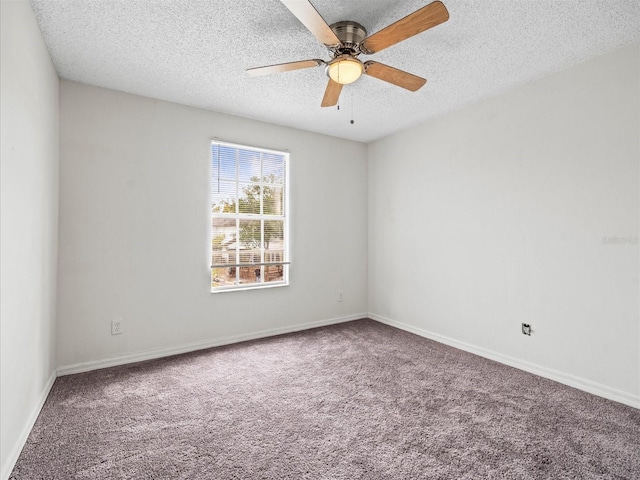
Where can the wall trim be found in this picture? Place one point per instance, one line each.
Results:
(7, 468)
(191, 347)
(556, 375)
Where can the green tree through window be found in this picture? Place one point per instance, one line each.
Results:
(272, 200)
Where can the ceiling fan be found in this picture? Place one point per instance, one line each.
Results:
(347, 40)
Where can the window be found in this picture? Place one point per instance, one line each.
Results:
(249, 217)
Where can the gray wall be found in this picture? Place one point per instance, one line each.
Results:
(135, 237)
(505, 212)
(29, 225)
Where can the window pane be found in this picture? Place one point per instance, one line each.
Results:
(223, 247)
(272, 168)
(223, 194)
(273, 199)
(274, 241)
(223, 241)
(274, 273)
(223, 163)
(250, 235)
(250, 256)
(249, 166)
(223, 277)
(249, 201)
(274, 250)
(249, 275)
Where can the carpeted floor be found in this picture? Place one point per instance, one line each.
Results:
(359, 400)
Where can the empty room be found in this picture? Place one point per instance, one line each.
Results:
(305, 239)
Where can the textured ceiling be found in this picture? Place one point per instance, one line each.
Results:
(195, 52)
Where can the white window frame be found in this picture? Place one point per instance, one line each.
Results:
(285, 218)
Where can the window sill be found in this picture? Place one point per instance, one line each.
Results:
(242, 288)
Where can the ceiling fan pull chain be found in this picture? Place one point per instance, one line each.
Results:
(352, 120)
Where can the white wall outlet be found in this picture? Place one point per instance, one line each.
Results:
(116, 327)
(340, 296)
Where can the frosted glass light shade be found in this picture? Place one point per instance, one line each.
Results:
(345, 70)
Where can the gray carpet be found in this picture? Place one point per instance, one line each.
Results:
(359, 400)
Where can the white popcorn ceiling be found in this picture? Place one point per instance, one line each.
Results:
(195, 52)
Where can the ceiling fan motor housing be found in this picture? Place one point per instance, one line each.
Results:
(350, 34)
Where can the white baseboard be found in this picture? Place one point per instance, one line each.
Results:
(26, 430)
(561, 377)
(190, 347)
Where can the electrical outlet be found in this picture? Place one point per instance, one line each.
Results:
(116, 327)
(526, 329)
(340, 296)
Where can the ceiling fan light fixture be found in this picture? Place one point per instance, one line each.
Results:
(345, 69)
(346, 40)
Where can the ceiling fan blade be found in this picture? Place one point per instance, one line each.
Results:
(284, 67)
(311, 19)
(417, 22)
(331, 94)
(393, 75)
